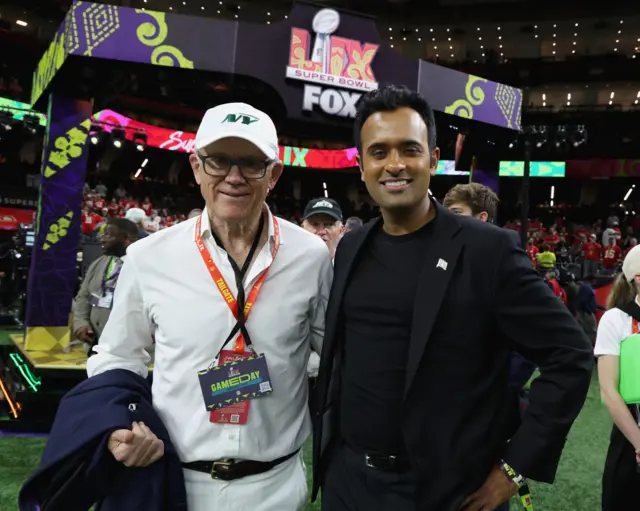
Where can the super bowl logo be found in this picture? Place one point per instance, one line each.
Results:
(333, 61)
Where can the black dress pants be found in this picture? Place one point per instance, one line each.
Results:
(621, 479)
(350, 485)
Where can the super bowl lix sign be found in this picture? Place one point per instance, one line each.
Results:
(338, 66)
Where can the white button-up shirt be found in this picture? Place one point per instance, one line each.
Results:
(165, 292)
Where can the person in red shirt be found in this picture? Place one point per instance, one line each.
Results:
(124, 204)
(88, 201)
(579, 239)
(147, 206)
(592, 251)
(552, 239)
(114, 208)
(558, 290)
(535, 225)
(533, 252)
(611, 256)
(632, 242)
(99, 203)
(132, 203)
(89, 221)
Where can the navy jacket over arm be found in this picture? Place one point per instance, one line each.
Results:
(77, 470)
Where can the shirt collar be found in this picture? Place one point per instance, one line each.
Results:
(205, 227)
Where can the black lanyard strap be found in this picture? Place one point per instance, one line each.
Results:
(240, 273)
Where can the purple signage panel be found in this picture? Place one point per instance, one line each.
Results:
(319, 61)
(53, 272)
(150, 37)
(469, 96)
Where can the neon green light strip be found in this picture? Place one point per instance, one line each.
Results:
(33, 381)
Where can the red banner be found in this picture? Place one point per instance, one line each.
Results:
(11, 218)
(588, 169)
(173, 140)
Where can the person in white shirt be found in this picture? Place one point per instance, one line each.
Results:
(618, 351)
(179, 288)
(152, 222)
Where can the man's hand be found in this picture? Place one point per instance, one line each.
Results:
(84, 333)
(496, 490)
(137, 447)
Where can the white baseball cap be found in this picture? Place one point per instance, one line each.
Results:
(631, 263)
(238, 120)
(135, 215)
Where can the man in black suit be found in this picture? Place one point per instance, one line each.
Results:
(425, 309)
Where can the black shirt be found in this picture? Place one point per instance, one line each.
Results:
(378, 312)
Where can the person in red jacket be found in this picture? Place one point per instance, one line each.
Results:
(558, 290)
(611, 256)
(632, 242)
(592, 255)
(114, 208)
(89, 221)
(533, 252)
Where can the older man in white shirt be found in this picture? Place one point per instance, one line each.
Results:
(179, 288)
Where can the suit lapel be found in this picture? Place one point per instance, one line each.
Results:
(440, 260)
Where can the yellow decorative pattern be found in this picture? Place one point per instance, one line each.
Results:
(507, 100)
(154, 35)
(48, 66)
(72, 36)
(100, 21)
(46, 338)
(474, 96)
(68, 146)
(59, 229)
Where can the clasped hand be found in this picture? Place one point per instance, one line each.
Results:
(495, 491)
(137, 447)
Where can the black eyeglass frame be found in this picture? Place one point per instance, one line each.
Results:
(233, 162)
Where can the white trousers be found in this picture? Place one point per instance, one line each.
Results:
(283, 488)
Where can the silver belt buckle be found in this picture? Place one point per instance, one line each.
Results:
(367, 461)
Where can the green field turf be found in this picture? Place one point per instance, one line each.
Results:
(577, 487)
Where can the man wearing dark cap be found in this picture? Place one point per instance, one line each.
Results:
(323, 217)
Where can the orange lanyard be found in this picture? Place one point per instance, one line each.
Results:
(634, 326)
(222, 284)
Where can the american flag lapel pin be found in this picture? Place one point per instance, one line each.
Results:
(442, 264)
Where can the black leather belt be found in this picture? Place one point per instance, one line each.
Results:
(228, 469)
(387, 463)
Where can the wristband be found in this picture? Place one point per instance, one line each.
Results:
(515, 478)
(521, 483)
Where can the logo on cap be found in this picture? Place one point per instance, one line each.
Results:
(243, 118)
(323, 204)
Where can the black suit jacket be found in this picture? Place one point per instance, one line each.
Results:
(468, 317)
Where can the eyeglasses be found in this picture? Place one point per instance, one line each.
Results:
(220, 166)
